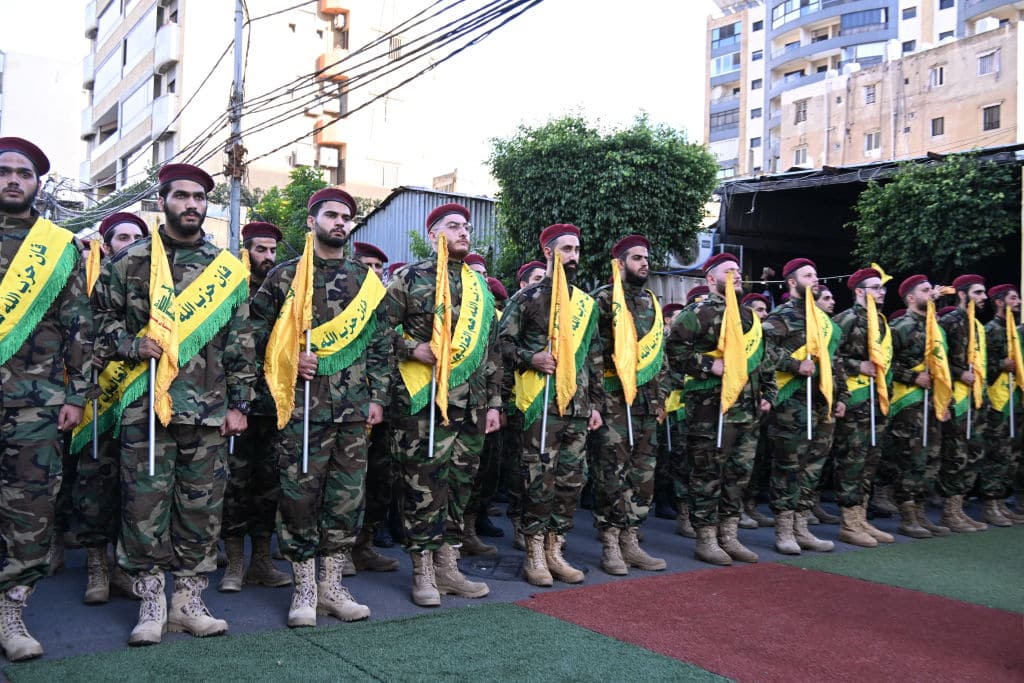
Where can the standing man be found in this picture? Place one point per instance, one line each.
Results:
(825, 300)
(45, 343)
(171, 519)
(320, 510)
(628, 440)
(120, 230)
(719, 473)
(797, 461)
(760, 473)
(530, 273)
(438, 478)
(370, 256)
(253, 489)
(553, 466)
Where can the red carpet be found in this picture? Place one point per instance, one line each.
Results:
(771, 622)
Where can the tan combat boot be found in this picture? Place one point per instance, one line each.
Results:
(850, 531)
(261, 571)
(348, 567)
(634, 555)
(334, 599)
(152, 611)
(17, 643)
(805, 539)
(97, 586)
(785, 543)
(559, 568)
(936, 530)
(231, 582)
(683, 526)
(188, 612)
(728, 540)
(823, 515)
(909, 523)
(611, 555)
(518, 537)
(951, 517)
(883, 502)
(535, 568)
(746, 521)
(471, 543)
(1008, 513)
(424, 583)
(980, 526)
(366, 558)
(303, 608)
(707, 548)
(994, 515)
(870, 529)
(451, 581)
(762, 519)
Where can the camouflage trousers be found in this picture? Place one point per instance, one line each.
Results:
(960, 456)
(250, 499)
(856, 460)
(760, 473)
(796, 461)
(485, 485)
(435, 491)
(96, 493)
(912, 460)
(678, 464)
(623, 475)
(511, 465)
(380, 484)
(30, 476)
(996, 470)
(718, 476)
(171, 521)
(320, 512)
(63, 516)
(553, 481)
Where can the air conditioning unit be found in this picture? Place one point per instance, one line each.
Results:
(300, 156)
(704, 247)
(328, 157)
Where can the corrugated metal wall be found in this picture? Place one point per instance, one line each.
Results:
(406, 210)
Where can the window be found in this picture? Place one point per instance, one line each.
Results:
(800, 156)
(909, 46)
(139, 41)
(988, 63)
(945, 34)
(873, 141)
(909, 12)
(864, 21)
(755, 113)
(819, 35)
(938, 126)
(725, 120)
(821, 68)
(757, 26)
(792, 76)
(946, 4)
(755, 142)
(757, 55)
(800, 109)
(990, 117)
(107, 75)
(793, 9)
(724, 36)
(936, 76)
(756, 84)
(725, 64)
(870, 93)
(136, 106)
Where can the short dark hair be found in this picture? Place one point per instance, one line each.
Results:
(165, 189)
(247, 243)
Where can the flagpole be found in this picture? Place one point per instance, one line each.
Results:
(871, 388)
(95, 422)
(152, 417)
(668, 432)
(810, 428)
(544, 414)
(629, 423)
(720, 420)
(305, 418)
(1013, 428)
(231, 445)
(924, 428)
(433, 419)
(970, 398)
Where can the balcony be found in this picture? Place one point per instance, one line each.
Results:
(327, 65)
(165, 108)
(88, 71)
(334, 135)
(87, 129)
(333, 6)
(91, 23)
(168, 47)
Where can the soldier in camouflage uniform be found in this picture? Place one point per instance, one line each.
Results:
(666, 504)
(554, 478)
(719, 475)
(796, 461)
(436, 490)
(623, 473)
(250, 498)
(855, 458)
(320, 511)
(43, 385)
(171, 521)
(759, 474)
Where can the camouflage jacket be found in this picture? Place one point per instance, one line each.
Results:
(410, 311)
(651, 395)
(59, 349)
(997, 350)
(785, 331)
(263, 403)
(853, 349)
(908, 341)
(344, 396)
(524, 332)
(695, 333)
(954, 324)
(222, 372)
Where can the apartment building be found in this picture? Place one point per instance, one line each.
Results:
(765, 56)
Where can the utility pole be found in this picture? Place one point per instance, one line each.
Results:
(236, 153)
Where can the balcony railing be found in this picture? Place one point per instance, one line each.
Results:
(165, 108)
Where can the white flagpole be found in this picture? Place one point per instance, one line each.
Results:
(152, 417)
(305, 417)
(629, 424)
(720, 419)
(95, 422)
(668, 432)
(871, 387)
(970, 399)
(544, 410)
(1013, 428)
(810, 421)
(433, 419)
(924, 428)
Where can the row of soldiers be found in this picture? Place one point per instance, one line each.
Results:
(235, 397)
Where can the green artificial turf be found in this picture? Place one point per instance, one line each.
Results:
(486, 643)
(986, 568)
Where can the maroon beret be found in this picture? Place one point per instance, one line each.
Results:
(898, 313)
(754, 296)
(911, 282)
(795, 265)
(444, 210)
(395, 266)
(862, 275)
(628, 242)
(999, 291)
(821, 289)
(261, 229)
(475, 259)
(119, 218)
(527, 267)
(944, 310)
(969, 280)
(699, 290)
(26, 149)
(669, 309)
(720, 257)
(367, 249)
(332, 194)
(172, 172)
(497, 289)
(553, 232)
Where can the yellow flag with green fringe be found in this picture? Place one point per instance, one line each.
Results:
(975, 354)
(732, 346)
(163, 328)
(937, 363)
(817, 347)
(92, 266)
(879, 353)
(441, 334)
(281, 362)
(560, 337)
(625, 352)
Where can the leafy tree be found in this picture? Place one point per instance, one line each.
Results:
(940, 218)
(221, 194)
(644, 179)
(286, 208)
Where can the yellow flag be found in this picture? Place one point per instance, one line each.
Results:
(876, 355)
(163, 328)
(817, 348)
(881, 273)
(92, 266)
(441, 335)
(937, 363)
(560, 336)
(281, 362)
(625, 352)
(732, 346)
(246, 265)
(972, 356)
(1013, 347)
